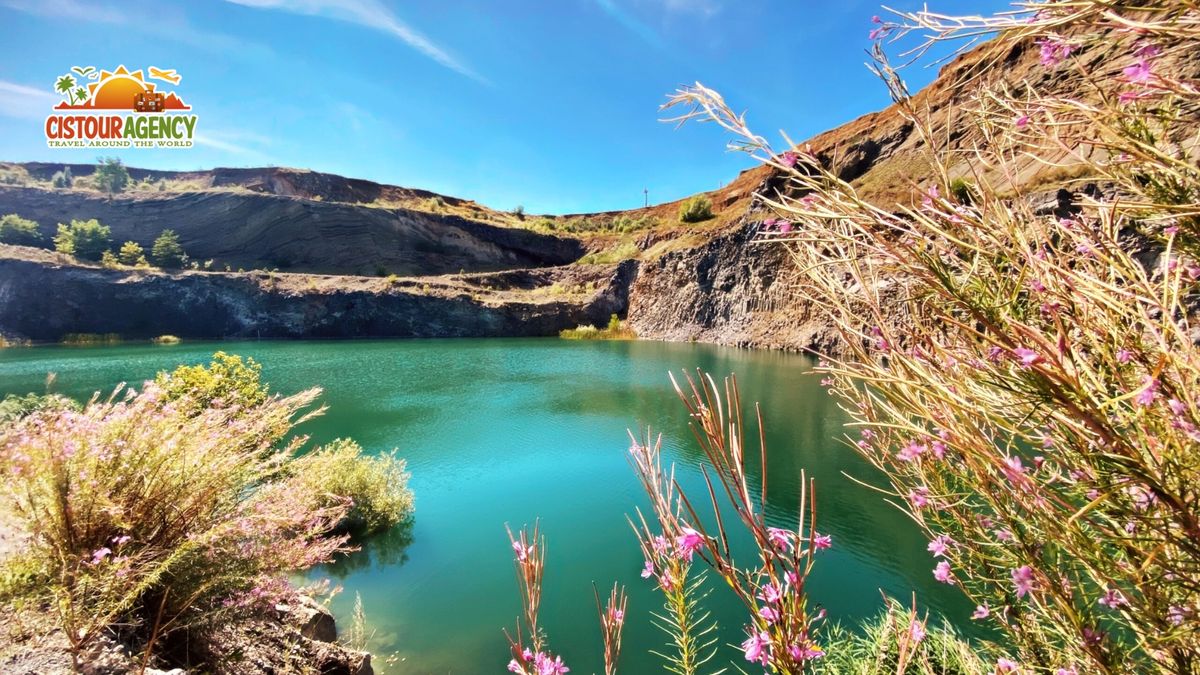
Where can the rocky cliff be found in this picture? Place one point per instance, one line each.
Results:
(45, 297)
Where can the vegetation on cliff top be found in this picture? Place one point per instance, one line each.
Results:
(615, 330)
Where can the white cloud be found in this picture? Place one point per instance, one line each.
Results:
(372, 14)
(67, 9)
(238, 143)
(25, 102)
(165, 24)
(630, 22)
(702, 7)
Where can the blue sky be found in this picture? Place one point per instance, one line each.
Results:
(550, 104)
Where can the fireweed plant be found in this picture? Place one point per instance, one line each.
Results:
(164, 512)
(1027, 382)
(780, 631)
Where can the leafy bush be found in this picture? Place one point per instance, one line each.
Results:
(20, 231)
(696, 209)
(227, 381)
(62, 179)
(519, 212)
(900, 641)
(132, 255)
(110, 176)
(616, 330)
(377, 486)
(84, 239)
(166, 252)
(622, 251)
(109, 260)
(15, 407)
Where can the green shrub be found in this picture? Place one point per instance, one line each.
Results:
(377, 486)
(962, 191)
(62, 179)
(167, 252)
(109, 260)
(15, 407)
(519, 212)
(166, 340)
(131, 254)
(622, 251)
(84, 239)
(20, 231)
(91, 339)
(227, 382)
(615, 330)
(111, 176)
(696, 209)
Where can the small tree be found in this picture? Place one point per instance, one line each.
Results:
(132, 254)
(166, 251)
(519, 212)
(62, 179)
(17, 230)
(111, 175)
(696, 209)
(84, 239)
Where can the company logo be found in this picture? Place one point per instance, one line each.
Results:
(152, 117)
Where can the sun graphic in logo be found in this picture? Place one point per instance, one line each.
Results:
(119, 89)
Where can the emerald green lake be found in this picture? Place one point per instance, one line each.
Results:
(508, 431)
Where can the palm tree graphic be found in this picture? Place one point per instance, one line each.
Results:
(66, 86)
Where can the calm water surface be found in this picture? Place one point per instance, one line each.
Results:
(507, 431)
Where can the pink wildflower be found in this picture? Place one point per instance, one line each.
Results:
(1113, 599)
(789, 158)
(780, 538)
(939, 545)
(1022, 121)
(546, 666)
(757, 648)
(1148, 393)
(1023, 580)
(648, 570)
(919, 497)
(785, 226)
(1004, 665)
(1138, 73)
(1054, 52)
(769, 614)
(616, 615)
(981, 612)
(916, 631)
(1027, 357)
(688, 543)
(911, 451)
(942, 573)
(821, 542)
(521, 551)
(1013, 470)
(771, 594)
(1066, 671)
(100, 554)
